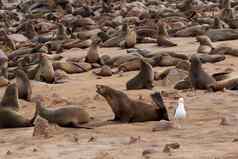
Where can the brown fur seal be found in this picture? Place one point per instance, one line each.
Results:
(65, 117)
(199, 78)
(24, 85)
(45, 71)
(130, 40)
(3, 64)
(11, 119)
(61, 33)
(92, 55)
(162, 36)
(143, 80)
(205, 44)
(10, 98)
(128, 110)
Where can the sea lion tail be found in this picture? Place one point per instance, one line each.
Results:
(157, 98)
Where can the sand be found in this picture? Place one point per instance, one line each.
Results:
(201, 136)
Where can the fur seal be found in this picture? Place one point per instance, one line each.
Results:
(144, 79)
(65, 117)
(3, 64)
(24, 85)
(61, 33)
(205, 44)
(199, 78)
(128, 110)
(162, 36)
(92, 55)
(45, 71)
(130, 40)
(10, 98)
(11, 119)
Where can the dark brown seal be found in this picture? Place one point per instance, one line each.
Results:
(144, 79)
(128, 110)
(24, 85)
(10, 98)
(199, 78)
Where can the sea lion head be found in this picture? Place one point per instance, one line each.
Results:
(102, 89)
(195, 61)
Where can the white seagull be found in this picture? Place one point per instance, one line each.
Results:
(180, 112)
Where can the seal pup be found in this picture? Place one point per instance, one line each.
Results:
(144, 79)
(11, 119)
(127, 110)
(199, 78)
(45, 71)
(69, 116)
(162, 36)
(92, 55)
(24, 85)
(10, 98)
(205, 44)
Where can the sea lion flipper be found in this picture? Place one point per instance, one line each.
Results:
(83, 127)
(162, 110)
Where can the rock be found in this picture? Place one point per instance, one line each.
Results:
(168, 147)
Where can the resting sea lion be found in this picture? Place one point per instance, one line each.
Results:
(205, 44)
(199, 78)
(10, 98)
(23, 85)
(143, 80)
(45, 71)
(128, 110)
(162, 36)
(65, 117)
(92, 55)
(11, 119)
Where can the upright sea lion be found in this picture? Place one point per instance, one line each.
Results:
(162, 36)
(3, 64)
(130, 40)
(23, 85)
(144, 79)
(45, 71)
(61, 33)
(199, 78)
(205, 44)
(128, 110)
(92, 55)
(65, 117)
(11, 119)
(10, 98)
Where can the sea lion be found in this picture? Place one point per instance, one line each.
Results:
(45, 71)
(3, 64)
(69, 116)
(92, 55)
(205, 44)
(128, 110)
(130, 40)
(162, 36)
(144, 79)
(61, 33)
(199, 78)
(10, 98)
(11, 119)
(24, 85)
